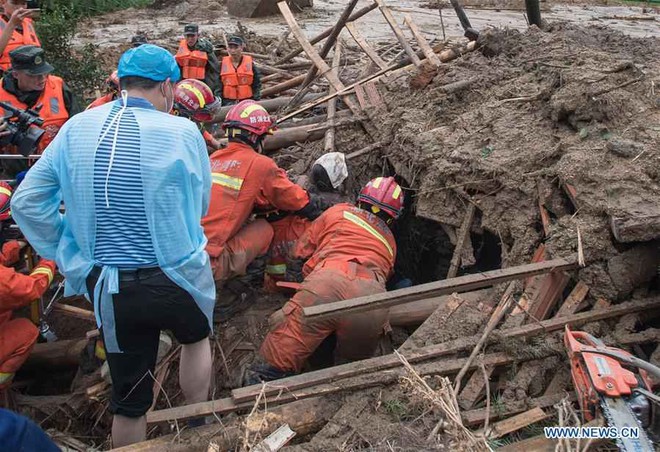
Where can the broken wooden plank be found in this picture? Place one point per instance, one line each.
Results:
(478, 416)
(571, 192)
(364, 45)
(474, 389)
(326, 71)
(573, 302)
(361, 97)
(73, 311)
(517, 422)
(276, 440)
(463, 232)
(640, 228)
(398, 32)
(421, 40)
(545, 219)
(374, 96)
(435, 351)
(320, 37)
(545, 293)
(461, 284)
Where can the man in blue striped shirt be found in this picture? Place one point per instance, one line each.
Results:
(136, 182)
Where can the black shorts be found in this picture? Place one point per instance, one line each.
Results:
(147, 302)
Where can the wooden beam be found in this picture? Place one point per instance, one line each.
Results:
(517, 422)
(545, 292)
(325, 50)
(326, 71)
(366, 150)
(84, 314)
(421, 40)
(463, 232)
(59, 354)
(227, 405)
(329, 143)
(320, 37)
(434, 351)
(364, 45)
(398, 32)
(461, 284)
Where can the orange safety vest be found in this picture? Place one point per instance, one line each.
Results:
(193, 63)
(50, 106)
(28, 37)
(237, 82)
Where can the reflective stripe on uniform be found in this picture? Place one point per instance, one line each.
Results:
(5, 191)
(396, 192)
(376, 182)
(43, 271)
(279, 269)
(251, 108)
(5, 377)
(367, 227)
(233, 183)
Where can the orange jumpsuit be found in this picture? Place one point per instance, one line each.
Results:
(244, 180)
(17, 336)
(350, 253)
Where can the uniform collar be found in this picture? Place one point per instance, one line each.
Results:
(137, 102)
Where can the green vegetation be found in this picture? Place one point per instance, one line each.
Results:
(92, 7)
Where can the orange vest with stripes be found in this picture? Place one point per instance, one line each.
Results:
(50, 106)
(28, 37)
(237, 82)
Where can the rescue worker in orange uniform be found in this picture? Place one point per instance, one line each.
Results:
(239, 77)
(245, 181)
(350, 253)
(327, 175)
(197, 59)
(17, 30)
(17, 336)
(112, 86)
(29, 84)
(195, 100)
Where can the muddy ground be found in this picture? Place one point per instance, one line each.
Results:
(569, 104)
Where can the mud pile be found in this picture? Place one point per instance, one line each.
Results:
(543, 109)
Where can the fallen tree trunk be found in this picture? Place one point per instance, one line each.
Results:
(269, 104)
(303, 417)
(318, 119)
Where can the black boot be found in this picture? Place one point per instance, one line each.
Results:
(235, 297)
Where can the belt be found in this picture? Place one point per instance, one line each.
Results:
(131, 275)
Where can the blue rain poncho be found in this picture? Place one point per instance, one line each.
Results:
(177, 185)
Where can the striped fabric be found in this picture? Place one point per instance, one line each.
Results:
(123, 238)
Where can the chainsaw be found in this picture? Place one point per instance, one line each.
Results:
(615, 384)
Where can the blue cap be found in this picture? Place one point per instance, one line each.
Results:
(149, 61)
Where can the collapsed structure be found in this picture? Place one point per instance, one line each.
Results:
(529, 158)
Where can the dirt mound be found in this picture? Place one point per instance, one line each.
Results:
(543, 109)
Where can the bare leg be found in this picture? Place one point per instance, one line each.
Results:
(128, 430)
(195, 371)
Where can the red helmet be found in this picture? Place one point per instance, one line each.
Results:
(195, 100)
(5, 199)
(383, 193)
(251, 117)
(113, 82)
